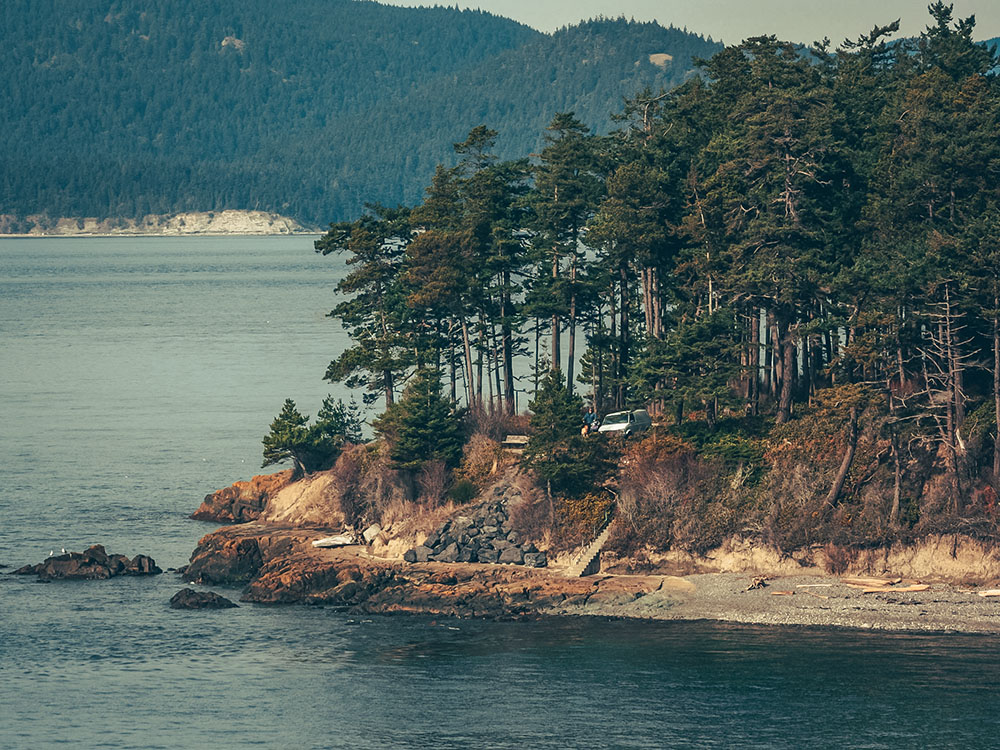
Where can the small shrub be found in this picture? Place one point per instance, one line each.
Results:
(481, 458)
(347, 472)
(532, 518)
(386, 490)
(838, 559)
(463, 491)
(432, 481)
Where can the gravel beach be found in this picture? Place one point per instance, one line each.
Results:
(805, 600)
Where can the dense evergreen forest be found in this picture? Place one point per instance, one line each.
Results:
(308, 108)
(792, 260)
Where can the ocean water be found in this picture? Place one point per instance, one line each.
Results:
(136, 375)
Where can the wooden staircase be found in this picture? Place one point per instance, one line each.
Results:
(588, 561)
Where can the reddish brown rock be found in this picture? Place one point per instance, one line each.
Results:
(238, 553)
(242, 501)
(280, 566)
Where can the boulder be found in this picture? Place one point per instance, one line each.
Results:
(191, 599)
(118, 564)
(536, 560)
(461, 523)
(488, 555)
(466, 554)
(448, 554)
(142, 565)
(512, 556)
(371, 533)
(423, 553)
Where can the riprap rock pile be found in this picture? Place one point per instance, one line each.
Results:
(482, 535)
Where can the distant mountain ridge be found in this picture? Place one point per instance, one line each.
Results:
(307, 108)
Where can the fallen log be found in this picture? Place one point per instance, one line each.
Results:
(895, 590)
(863, 581)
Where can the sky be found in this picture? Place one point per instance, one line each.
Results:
(731, 21)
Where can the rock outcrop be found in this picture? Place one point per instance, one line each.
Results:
(92, 564)
(311, 501)
(482, 534)
(191, 599)
(236, 554)
(280, 566)
(242, 501)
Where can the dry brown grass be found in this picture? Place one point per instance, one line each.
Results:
(432, 483)
(483, 459)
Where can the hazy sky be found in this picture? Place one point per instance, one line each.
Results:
(733, 20)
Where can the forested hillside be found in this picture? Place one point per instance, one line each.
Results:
(792, 261)
(309, 108)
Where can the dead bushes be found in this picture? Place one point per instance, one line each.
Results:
(669, 497)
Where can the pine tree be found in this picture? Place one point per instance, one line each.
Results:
(568, 463)
(422, 426)
(288, 439)
(311, 447)
(376, 314)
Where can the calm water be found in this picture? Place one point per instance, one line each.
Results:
(137, 375)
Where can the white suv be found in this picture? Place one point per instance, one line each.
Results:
(626, 422)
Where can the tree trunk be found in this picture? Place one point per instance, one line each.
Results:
(497, 366)
(754, 361)
(480, 354)
(452, 378)
(507, 345)
(845, 464)
(787, 348)
(996, 390)
(556, 345)
(772, 357)
(387, 384)
(897, 479)
(657, 305)
(572, 327)
(623, 352)
(467, 345)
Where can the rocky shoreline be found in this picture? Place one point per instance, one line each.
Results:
(279, 566)
(454, 564)
(229, 222)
